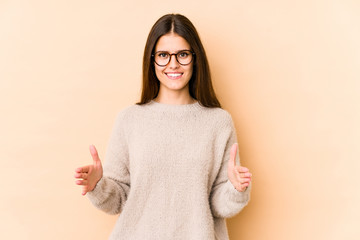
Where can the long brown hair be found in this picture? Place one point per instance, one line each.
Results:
(200, 85)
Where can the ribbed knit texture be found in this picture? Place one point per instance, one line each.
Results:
(165, 172)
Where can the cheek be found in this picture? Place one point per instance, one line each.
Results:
(190, 71)
(158, 72)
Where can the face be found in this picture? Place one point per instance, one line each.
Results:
(174, 76)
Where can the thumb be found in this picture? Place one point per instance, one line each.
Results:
(94, 155)
(233, 151)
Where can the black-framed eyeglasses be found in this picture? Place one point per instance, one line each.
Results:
(183, 57)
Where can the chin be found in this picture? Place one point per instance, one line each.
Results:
(174, 86)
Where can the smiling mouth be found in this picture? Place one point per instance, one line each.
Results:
(174, 75)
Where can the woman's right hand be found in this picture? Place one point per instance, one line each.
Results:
(88, 176)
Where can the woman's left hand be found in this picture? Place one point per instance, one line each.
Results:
(239, 176)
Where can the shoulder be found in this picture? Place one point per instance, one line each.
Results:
(220, 113)
(220, 116)
(128, 110)
(125, 115)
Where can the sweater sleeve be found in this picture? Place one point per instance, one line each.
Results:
(111, 191)
(225, 200)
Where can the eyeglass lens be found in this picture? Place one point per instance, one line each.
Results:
(184, 57)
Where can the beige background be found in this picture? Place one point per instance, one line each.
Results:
(287, 71)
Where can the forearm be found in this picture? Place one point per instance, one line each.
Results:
(226, 201)
(109, 195)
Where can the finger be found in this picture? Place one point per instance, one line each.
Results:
(245, 175)
(81, 175)
(85, 190)
(241, 169)
(232, 161)
(84, 169)
(81, 182)
(242, 187)
(94, 154)
(245, 180)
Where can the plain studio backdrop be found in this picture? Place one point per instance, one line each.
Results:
(287, 71)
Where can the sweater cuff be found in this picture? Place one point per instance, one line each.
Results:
(235, 195)
(96, 194)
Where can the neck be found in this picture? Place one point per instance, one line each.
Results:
(176, 98)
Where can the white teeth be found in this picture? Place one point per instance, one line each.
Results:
(174, 74)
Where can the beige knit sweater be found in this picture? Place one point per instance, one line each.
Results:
(165, 172)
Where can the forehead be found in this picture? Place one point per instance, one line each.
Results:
(171, 42)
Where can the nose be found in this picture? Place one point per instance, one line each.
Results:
(173, 62)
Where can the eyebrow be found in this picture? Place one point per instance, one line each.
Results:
(174, 52)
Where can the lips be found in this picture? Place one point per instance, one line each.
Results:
(174, 76)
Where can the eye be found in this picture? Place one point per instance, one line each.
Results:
(183, 54)
(163, 55)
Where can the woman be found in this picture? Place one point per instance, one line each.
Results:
(170, 168)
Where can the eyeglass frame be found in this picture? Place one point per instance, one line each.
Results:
(176, 57)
